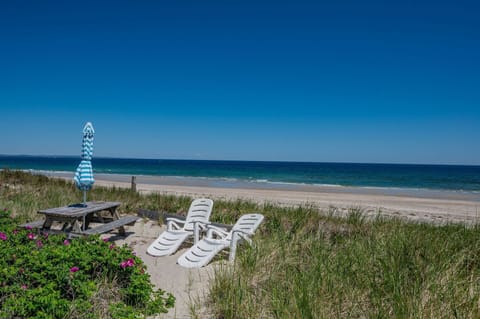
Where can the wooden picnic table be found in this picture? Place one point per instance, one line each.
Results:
(76, 218)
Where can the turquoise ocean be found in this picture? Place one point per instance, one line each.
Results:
(458, 178)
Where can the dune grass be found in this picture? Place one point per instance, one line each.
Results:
(306, 263)
(308, 266)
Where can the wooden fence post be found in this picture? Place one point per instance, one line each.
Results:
(134, 184)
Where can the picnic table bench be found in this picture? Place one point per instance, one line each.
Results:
(77, 218)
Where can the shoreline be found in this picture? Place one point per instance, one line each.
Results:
(415, 205)
(269, 185)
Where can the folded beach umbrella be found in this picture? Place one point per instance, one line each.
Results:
(84, 174)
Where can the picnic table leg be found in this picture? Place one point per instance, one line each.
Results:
(76, 227)
(86, 221)
(113, 211)
(47, 224)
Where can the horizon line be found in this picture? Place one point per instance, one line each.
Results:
(237, 160)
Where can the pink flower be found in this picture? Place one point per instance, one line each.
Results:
(127, 263)
(74, 269)
(15, 232)
(106, 239)
(39, 244)
(66, 242)
(111, 246)
(24, 287)
(28, 227)
(45, 235)
(3, 236)
(30, 236)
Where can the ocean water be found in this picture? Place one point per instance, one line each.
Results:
(434, 177)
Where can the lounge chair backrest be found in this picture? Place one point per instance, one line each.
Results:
(199, 211)
(246, 224)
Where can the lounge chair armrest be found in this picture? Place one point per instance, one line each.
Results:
(214, 230)
(198, 227)
(202, 225)
(178, 220)
(173, 223)
(242, 235)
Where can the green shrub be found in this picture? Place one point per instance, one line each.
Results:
(49, 276)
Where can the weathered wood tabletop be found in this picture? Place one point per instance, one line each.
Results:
(79, 216)
(80, 210)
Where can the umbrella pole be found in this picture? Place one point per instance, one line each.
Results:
(85, 198)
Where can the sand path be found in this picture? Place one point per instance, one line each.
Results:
(189, 286)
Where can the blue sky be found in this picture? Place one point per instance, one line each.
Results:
(336, 81)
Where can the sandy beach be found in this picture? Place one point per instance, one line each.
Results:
(413, 204)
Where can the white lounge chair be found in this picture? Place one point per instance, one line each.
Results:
(179, 230)
(218, 239)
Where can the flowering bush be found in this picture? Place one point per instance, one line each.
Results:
(45, 276)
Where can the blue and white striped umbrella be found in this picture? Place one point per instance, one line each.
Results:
(84, 174)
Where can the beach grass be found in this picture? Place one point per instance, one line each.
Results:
(306, 263)
(306, 266)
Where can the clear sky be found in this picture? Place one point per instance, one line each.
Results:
(327, 81)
